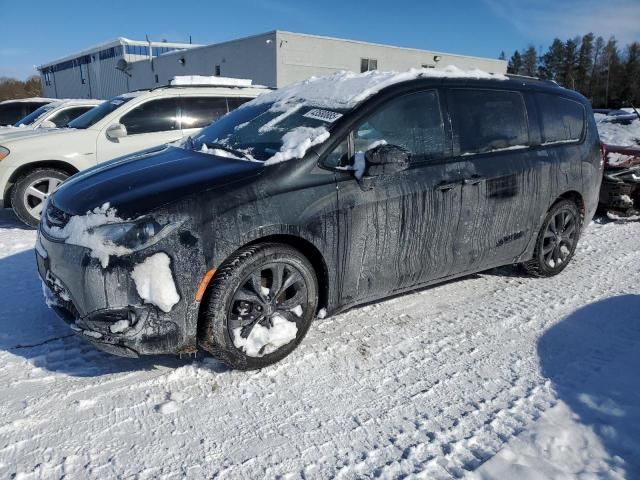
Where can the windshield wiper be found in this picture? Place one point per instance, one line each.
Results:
(220, 146)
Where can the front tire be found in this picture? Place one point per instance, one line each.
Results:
(557, 240)
(31, 191)
(259, 306)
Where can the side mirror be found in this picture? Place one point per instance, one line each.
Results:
(382, 160)
(115, 131)
(48, 124)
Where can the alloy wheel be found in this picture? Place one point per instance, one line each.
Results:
(37, 193)
(559, 238)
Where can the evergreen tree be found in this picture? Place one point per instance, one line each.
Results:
(567, 74)
(530, 61)
(553, 60)
(515, 64)
(502, 56)
(631, 76)
(585, 63)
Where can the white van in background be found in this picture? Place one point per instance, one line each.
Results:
(13, 110)
(53, 115)
(33, 165)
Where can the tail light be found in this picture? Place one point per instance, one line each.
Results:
(603, 151)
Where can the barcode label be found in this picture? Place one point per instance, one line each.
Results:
(324, 115)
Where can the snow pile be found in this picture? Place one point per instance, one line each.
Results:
(262, 340)
(154, 282)
(618, 158)
(347, 89)
(296, 143)
(184, 80)
(81, 231)
(618, 134)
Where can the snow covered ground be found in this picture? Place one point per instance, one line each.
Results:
(492, 376)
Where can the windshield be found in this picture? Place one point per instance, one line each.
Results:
(33, 116)
(256, 131)
(96, 114)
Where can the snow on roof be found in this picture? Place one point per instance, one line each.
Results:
(213, 81)
(30, 99)
(618, 134)
(347, 89)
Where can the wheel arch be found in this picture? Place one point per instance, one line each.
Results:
(31, 166)
(311, 252)
(575, 197)
(302, 245)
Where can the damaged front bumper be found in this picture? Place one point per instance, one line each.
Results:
(620, 191)
(102, 305)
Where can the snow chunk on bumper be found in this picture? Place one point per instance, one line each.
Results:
(154, 282)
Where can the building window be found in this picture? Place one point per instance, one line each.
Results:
(217, 70)
(368, 64)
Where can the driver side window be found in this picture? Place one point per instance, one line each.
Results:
(413, 122)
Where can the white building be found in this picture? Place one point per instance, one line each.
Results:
(101, 71)
(273, 59)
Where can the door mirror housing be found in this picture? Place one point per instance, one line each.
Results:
(115, 131)
(382, 160)
(48, 124)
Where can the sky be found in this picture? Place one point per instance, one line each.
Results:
(37, 32)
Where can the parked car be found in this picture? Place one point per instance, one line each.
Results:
(621, 117)
(34, 165)
(56, 114)
(13, 110)
(620, 192)
(316, 198)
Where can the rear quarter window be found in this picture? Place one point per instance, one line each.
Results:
(562, 119)
(488, 120)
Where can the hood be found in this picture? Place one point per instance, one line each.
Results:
(26, 133)
(139, 183)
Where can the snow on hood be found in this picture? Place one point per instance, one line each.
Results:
(345, 90)
(296, 143)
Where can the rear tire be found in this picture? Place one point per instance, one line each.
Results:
(557, 240)
(259, 306)
(31, 191)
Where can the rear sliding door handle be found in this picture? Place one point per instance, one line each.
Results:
(446, 186)
(473, 180)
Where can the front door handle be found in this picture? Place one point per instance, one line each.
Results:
(473, 180)
(446, 186)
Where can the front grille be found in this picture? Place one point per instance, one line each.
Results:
(54, 217)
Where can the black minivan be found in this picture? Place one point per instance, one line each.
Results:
(315, 198)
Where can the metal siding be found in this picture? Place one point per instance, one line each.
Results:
(252, 58)
(302, 56)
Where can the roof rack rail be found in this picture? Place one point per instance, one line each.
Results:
(537, 79)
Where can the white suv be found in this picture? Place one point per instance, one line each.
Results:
(33, 165)
(53, 115)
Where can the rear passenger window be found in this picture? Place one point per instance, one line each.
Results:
(562, 119)
(153, 116)
(488, 120)
(412, 121)
(236, 102)
(61, 119)
(198, 112)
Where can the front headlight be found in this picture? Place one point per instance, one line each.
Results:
(4, 152)
(132, 235)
